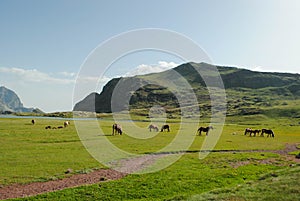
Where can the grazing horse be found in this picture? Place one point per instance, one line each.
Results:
(269, 132)
(248, 130)
(165, 127)
(66, 123)
(254, 132)
(33, 121)
(154, 127)
(117, 129)
(204, 129)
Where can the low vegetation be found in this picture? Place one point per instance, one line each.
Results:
(241, 168)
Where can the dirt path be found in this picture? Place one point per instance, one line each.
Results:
(132, 165)
(24, 190)
(124, 167)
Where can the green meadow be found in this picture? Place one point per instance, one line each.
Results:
(240, 168)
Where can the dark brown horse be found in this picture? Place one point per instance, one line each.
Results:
(269, 132)
(254, 132)
(117, 129)
(204, 129)
(33, 121)
(248, 130)
(154, 127)
(251, 131)
(165, 127)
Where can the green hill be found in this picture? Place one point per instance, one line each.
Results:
(247, 92)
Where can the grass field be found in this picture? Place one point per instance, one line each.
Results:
(31, 153)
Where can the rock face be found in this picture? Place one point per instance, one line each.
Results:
(10, 102)
(246, 90)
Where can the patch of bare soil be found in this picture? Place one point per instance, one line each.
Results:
(134, 165)
(283, 152)
(288, 148)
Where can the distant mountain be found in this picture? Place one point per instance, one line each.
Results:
(10, 102)
(247, 91)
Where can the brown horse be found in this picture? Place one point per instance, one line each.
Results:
(66, 123)
(269, 132)
(204, 129)
(165, 127)
(33, 121)
(251, 131)
(154, 127)
(248, 130)
(117, 129)
(254, 132)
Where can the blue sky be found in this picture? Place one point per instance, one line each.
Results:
(44, 43)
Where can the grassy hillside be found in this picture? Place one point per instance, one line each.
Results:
(247, 92)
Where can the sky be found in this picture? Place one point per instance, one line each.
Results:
(43, 44)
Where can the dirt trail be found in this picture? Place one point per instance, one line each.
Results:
(124, 167)
(133, 165)
(24, 190)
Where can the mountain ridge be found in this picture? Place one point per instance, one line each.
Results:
(257, 88)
